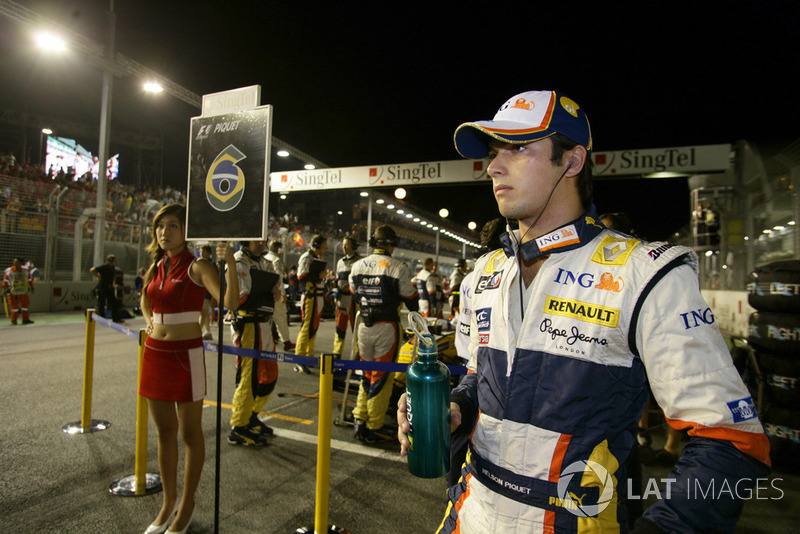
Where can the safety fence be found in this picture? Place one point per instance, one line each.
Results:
(52, 226)
(141, 482)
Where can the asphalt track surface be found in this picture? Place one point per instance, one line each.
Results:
(53, 482)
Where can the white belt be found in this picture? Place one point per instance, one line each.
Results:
(176, 318)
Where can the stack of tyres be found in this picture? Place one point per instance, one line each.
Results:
(775, 336)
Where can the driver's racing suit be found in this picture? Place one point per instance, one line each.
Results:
(558, 391)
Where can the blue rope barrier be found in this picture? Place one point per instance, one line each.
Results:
(114, 326)
(286, 357)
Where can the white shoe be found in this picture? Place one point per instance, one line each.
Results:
(160, 529)
(184, 528)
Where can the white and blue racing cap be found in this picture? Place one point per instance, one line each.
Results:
(525, 118)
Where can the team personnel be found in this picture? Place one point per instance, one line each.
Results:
(173, 376)
(309, 276)
(437, 297)
(106, 288)
(345, 307)
(252, 329)
(459, 439)
(208, 302)
(490, 241)
(17, 283)
(569, 322)
(381, 285)
(456, 277)
(279, 317)
(426, 288)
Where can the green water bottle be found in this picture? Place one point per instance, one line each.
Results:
(428, 411)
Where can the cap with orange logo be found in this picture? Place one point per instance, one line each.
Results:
(525, 118)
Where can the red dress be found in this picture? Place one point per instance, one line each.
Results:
(174, 370)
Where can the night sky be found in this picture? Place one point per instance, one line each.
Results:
(355, 83)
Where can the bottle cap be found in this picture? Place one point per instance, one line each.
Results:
(426, 343)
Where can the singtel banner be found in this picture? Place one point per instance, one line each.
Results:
(709, 158)
(429, 173)
(688, 159)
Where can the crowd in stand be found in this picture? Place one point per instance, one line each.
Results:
(25, 190)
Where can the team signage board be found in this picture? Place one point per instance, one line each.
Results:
(687, 159)
(228, 176)
(429, 173)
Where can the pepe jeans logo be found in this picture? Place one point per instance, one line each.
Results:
(571, 336)
(225, 180)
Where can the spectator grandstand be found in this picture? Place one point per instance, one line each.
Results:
(44, 218)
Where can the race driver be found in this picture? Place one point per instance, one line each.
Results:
(569, 322)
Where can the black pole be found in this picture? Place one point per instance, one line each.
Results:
(220, 322)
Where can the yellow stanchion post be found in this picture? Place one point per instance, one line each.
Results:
(140, 465)
(87, 424)
(142, 482)
(324, 444)
(88, 372)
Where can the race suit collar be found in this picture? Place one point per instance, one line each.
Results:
(570, 236)
(381, 251)
(255, 257)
